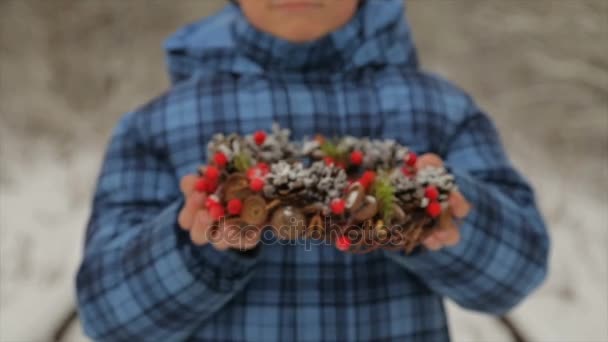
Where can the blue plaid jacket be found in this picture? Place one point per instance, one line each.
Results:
(141, 278)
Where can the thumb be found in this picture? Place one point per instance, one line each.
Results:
(187, 183)
(459, 206)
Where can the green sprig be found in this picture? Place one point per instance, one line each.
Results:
(331, 149)
(242, 161)
(385, 194)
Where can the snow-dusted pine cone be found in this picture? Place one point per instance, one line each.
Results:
(275, 147)
(325, 182)
(384, 154)
(285, 179)
(438, 177)
(407, 192)
(229, 145)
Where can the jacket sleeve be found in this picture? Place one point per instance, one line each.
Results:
(140, 275)
(503, 251)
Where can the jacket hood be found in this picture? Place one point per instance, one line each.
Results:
(377, 35)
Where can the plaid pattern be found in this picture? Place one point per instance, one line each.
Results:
(141, 278)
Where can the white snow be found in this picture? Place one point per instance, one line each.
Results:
(44, 204)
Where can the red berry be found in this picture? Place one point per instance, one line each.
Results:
(337, 206)
(341, 165)
(201, 185)
(433, 209)
(253, 172)
(411, 158)
(367, 179)
(220, 159)
(329, 161)
(211, 186)
(343, 243)
(356, 157)
(407, 171)
(263, 167)
(259, 137)
(211, 201)
(216, 212)
(256, 184)
(212, 173)
(235, 206)
(431, 193)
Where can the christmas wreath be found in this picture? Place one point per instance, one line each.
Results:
(357, 193)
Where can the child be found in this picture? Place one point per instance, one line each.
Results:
(313, 66)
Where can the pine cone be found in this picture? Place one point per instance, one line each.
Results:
(384, 154)
(285, 180)
(276, 147)
(324, 183)
(229, 145)
(438, 177)
(406, 189)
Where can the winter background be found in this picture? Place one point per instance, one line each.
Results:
(70, 68)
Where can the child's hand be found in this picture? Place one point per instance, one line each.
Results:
(447, 233)
(195, 218)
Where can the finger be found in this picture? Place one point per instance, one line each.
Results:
(199, 234)
(429, 159)
(194, 202)
(459, 206)
(230, 236)
(432, 243)
(187, 184)
(448, 233)
(220, 244)
(219, 241)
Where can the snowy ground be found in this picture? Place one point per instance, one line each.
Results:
(537, 67)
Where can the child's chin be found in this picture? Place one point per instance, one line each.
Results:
(300, 33)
